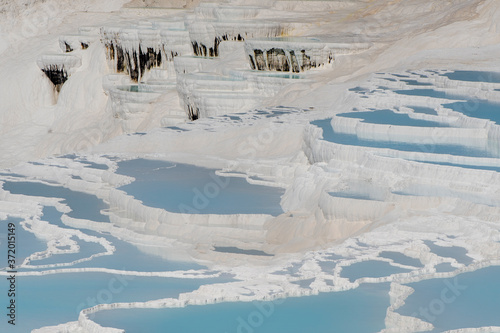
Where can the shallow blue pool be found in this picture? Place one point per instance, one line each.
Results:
(456, 252)
(389, 117)
(86, 162)
(444, 267)
(426, 93)
(400, 258)
(323, 313)
(424, 110)
(94, 165)
(83, 205)
(359, 90)
(126, 256)
(400, 75)
(476, 108)
(355, 195)
(416, 83)
(465, 166)
(352, 140)
(184, 188)
(54, 299)
(370, 268)
(235, 250)
(469, 300)
(474, 76)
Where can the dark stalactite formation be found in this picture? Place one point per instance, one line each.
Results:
(252, 63)
(135, 63)
(281, 60)
(193, 112)
(306, 61)
(277, 60)
(216, 46)
(132, 65)
(57, 75)
(68, 47)
(110, 51)
(295, 63)
(260, 62)
(202, 50)
(173, 54)
(120, 59)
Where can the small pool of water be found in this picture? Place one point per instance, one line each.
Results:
(136, 88)
(275, 113)
(474, 76)
(354, 195)
(94, 165)
(184, 188)
(476, 108)
(279, 75)
(370, 268)
(58, 298)
(400, 258)
(424, 110)
(465, 166)
(306, 283)
(235, 250)
(416, 83)
(400, 75)
(444, 268)
(455, 252)
(83, 205)
(422, 75)
(327, 266)
(466, 301)
(427, 93)
(86, 162)
(323, 313)
(352, 140)
(389, 117)
(359, 90)
(175, 128)
(126, 256)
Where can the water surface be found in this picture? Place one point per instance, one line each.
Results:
(389, 117)
(370, 268)
(323, 313)
(469, 300)
(424, 147)
(184, 188)
(83, 205)
(54, 299)
(474, 76)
